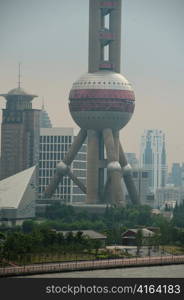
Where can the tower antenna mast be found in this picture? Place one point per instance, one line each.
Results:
(19, 75)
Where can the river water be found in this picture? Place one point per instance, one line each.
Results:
(170, 271)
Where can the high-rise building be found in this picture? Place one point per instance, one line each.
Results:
(19, 133)
(45, 121)
(54, 144)
(168, 196)
(132, 159)
(141, 181)
(176, 174)
(153, 158)
(182, 176)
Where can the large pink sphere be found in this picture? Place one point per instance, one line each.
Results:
(100, 100)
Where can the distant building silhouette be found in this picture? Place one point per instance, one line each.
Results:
(168, 197)
(45, 121)
(153, 158)
(19, 133)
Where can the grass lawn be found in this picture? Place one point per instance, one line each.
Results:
(175, 250)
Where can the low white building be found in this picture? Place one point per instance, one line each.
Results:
(17, 197)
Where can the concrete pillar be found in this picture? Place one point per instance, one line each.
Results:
(113, 168)
(62, 167)
(115, 45)
(75, 147)
(77, 181)
(92, 167)
(116, 143)
(50, 189)
(127, 176)
(108, 191)
(101, 167)
(94, 43)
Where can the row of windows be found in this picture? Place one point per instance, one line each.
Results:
(79, 165)
(56, 157)
(55, 139)
(61, 193)
(80, 173)
(47, 164)
(81, 156)
(54, 147)
(52, 164)
(65, 181)
(51, 156)
(144, 174)
(99, 82)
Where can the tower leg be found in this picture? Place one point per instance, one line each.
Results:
(113, 168)
(116, 143)
(127, 176)
(107, 191)
(62, 167)
(102, 165)
(93, 167)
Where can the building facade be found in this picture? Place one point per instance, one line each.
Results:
(141, 181)
(54, 144)
(19, 133)
(168, 197)
(176, 174)
(153, 158)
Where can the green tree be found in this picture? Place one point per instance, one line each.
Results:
(28, 226)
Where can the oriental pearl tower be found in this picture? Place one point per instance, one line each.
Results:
(101, 102)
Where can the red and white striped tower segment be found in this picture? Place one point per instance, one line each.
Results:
(102, 102)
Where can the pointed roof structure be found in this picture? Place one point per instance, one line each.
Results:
(18, 194)
(45, 121)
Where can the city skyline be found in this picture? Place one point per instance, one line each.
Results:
(152, 59)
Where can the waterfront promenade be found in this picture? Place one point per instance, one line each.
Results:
(90, 265)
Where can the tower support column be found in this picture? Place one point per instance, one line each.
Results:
(127, 176)
(93, 167)
(114, 168)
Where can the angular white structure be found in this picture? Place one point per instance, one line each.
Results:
(17, 197)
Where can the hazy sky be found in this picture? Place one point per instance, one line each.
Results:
(50, 39)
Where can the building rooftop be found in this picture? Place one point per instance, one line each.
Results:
(18, 92)
(145, 232)
(89, 233)
(58, 131)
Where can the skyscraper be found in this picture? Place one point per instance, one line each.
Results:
(45, 121)
(19, 133)
(176, 174)
(153, 158)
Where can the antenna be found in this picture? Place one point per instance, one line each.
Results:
(43, 104)
(19, 75)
